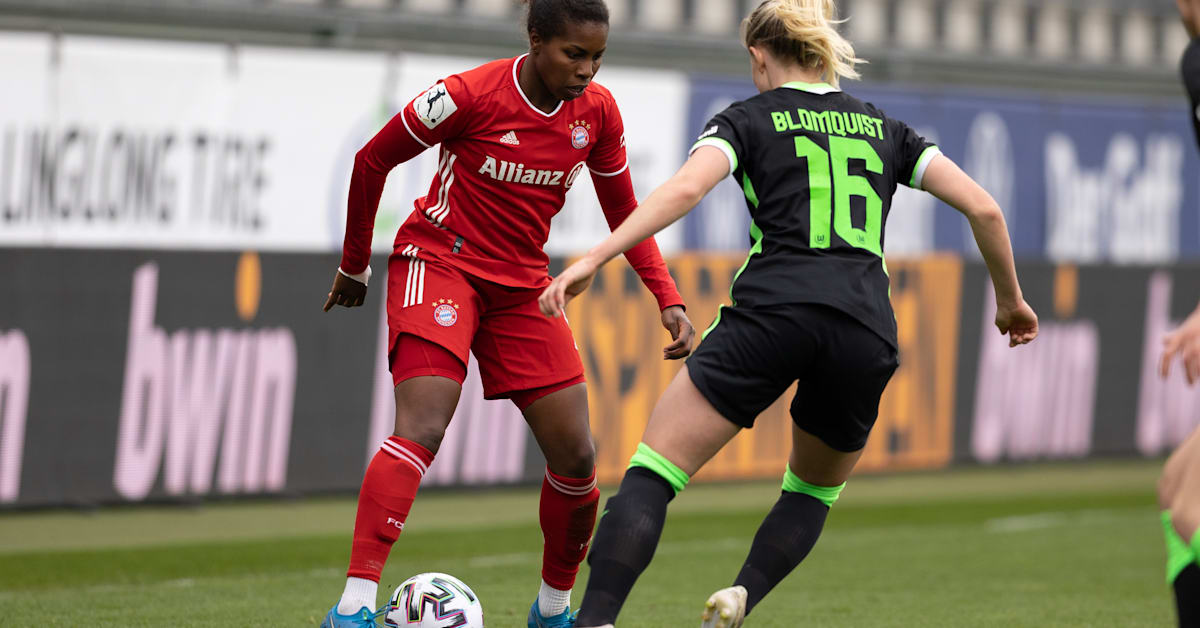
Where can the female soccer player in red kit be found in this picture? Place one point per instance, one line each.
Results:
(466, 273)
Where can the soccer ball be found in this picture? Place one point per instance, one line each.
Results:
(434, 600)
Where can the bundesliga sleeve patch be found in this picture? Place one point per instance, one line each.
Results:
(434, 106)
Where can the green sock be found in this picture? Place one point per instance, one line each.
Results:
(649, 459)
(1179, 555)
(825, 494)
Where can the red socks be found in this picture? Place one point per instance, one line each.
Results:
(567, 513)
(387, 494)
(568, 516)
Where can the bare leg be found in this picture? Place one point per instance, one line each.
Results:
(817, 463)
(816, 473)
(424, 407)
(685, 428)
(559, 422)
(684, 432)
(567, 511)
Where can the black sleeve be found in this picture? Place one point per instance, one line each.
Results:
(912, 152)
(1191, 80)
(726, 131)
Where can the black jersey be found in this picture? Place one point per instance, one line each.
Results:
(1191, 80)
(819, 168)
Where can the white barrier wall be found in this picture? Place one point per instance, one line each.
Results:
(139, 144)
(154, 145)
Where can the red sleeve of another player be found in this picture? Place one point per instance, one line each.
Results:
(618, 201)
(429, 119)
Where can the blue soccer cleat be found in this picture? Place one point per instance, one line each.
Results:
(364, 618)
(565, 619)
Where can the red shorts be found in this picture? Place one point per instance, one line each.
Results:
(518, 348)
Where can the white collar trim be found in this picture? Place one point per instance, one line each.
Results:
(813, 88)
(520, 91)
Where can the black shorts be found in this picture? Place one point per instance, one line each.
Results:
(751, 357)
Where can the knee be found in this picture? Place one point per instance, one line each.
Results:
(574, 460)
(426, 431)
(429, 439)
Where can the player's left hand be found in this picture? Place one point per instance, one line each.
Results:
(1184, 342)
(1018, 321)
(675, 320)
(569, 284)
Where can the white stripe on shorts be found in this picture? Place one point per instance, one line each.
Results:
(414, 284)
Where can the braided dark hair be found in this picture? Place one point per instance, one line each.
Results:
(549, 18)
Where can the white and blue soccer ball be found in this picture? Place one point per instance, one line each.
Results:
(434, 600)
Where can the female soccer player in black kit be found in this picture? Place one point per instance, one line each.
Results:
(1189, 11)
(1179, 488)
(819, 169)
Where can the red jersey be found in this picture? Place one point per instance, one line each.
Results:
(504, 170)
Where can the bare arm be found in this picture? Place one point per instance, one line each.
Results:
(617, 200)
(670, 202)
(945, 180)
(1185, 343)
(1189, 12)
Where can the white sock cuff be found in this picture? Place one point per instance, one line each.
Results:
(567, 489)
(400, 452)
(552, 601)
(359, 592)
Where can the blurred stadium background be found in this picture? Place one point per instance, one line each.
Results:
(172, 185)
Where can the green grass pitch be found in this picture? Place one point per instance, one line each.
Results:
(1058, 545)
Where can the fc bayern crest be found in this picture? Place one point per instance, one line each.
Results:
(445, 312)
(580, 134)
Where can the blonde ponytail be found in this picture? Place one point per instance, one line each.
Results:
(804, 31)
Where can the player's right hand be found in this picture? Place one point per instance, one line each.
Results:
(1018, 321)
(345, 292)
(1184, 342)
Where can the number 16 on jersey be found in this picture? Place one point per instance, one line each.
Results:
(829, 173)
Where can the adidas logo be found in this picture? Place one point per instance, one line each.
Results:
(510, 138)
